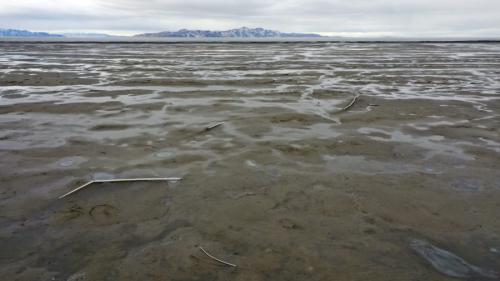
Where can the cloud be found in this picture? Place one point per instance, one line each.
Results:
(364, 17)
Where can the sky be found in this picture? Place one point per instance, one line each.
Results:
(362, 18)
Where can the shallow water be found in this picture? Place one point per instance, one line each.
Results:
(290, 187)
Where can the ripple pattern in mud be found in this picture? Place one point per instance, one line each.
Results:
(289, 186)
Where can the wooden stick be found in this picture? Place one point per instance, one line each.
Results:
(216, 259)
(117, 180)
(214, 126)
(351, 104)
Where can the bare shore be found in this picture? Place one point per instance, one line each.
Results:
(289, 187)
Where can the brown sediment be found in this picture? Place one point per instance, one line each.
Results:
(286, 188)
(109, 127)
(59, 108)
(45, 78)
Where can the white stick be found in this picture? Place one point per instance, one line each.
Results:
(214, 126)
(351, 104)
(117, 180)
(219, 260)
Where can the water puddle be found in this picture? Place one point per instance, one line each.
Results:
(448, 263)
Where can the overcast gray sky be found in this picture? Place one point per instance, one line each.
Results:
(471, 18)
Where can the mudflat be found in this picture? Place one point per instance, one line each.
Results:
(402, 185)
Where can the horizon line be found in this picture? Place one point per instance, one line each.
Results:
(340, 34)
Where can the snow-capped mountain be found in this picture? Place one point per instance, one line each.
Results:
(243, 32)
(25, 33)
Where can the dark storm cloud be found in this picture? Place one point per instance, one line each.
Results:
(363, 17)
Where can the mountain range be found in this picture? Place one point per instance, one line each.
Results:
(243, 32)
(25, 33)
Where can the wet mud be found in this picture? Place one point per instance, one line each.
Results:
(403, 185)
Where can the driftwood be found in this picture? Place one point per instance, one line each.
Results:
(216, 259)
(211, 127)
(354, 100)
(115, 181)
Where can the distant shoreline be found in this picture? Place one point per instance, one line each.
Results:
(151, 40)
